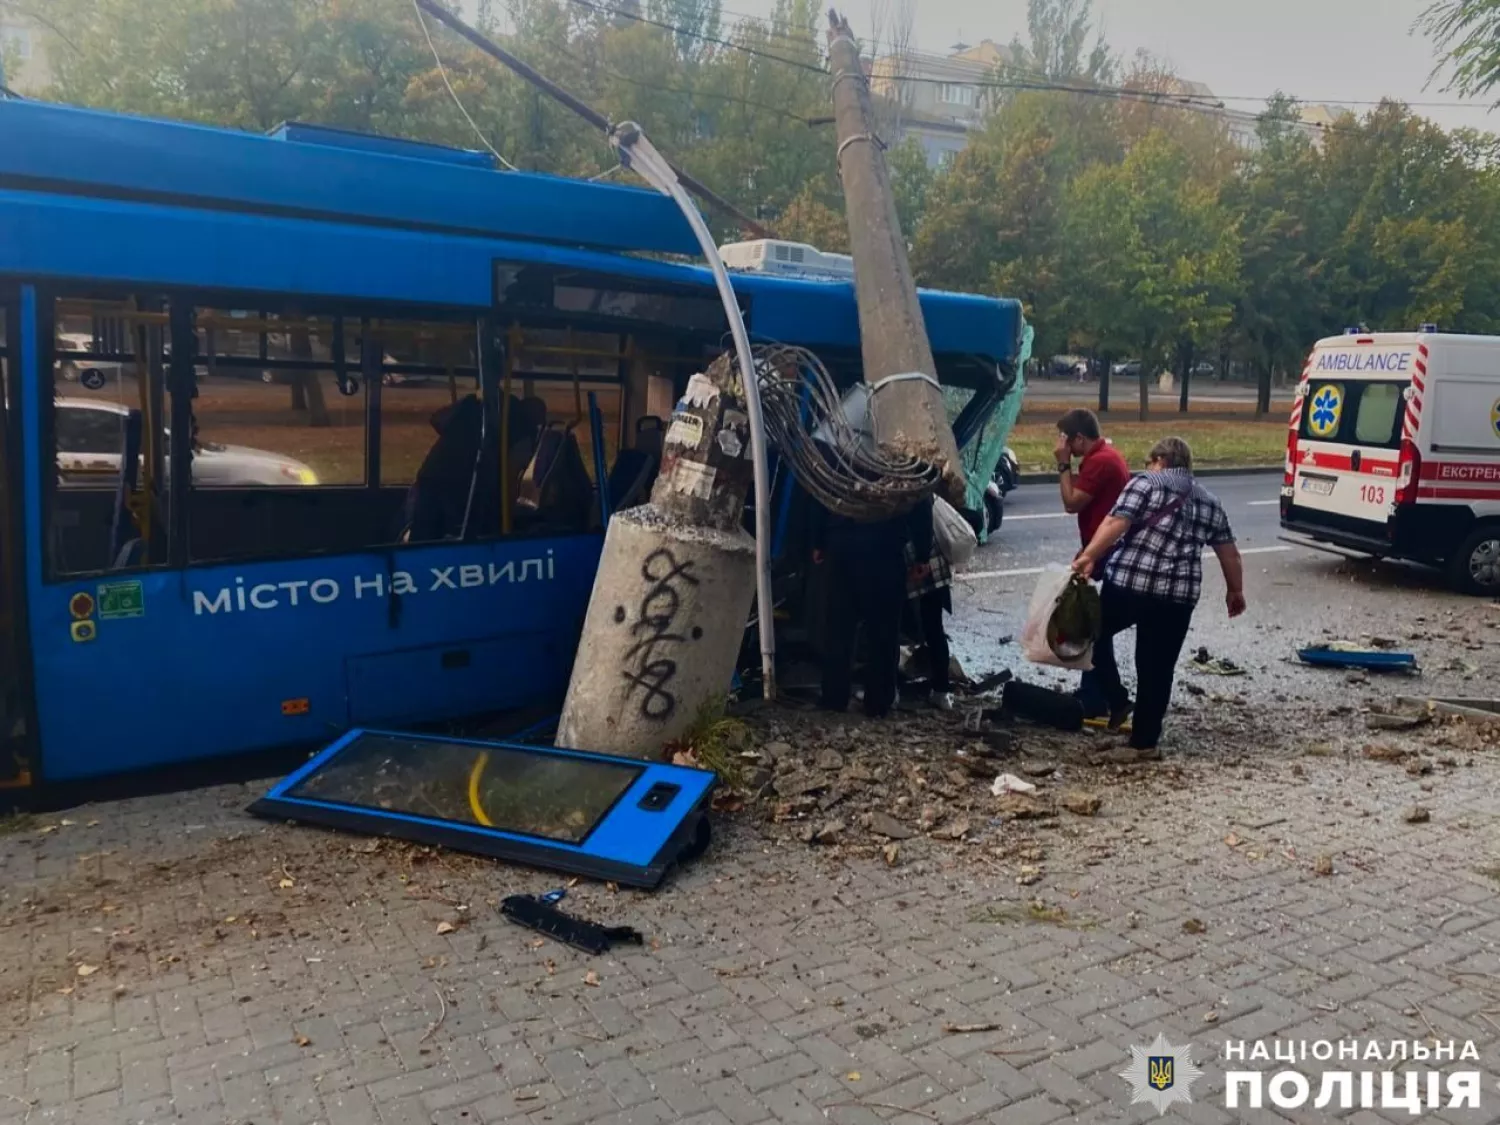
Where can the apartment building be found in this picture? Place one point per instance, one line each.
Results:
(937, 99)
(22, 50)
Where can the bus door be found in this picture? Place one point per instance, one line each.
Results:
(15, 762)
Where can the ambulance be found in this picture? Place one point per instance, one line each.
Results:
(1394, 451)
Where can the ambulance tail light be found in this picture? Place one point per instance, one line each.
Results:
(1289, 469)
(1409, 474)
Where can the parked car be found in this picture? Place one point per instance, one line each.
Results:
(91, 373)
(91, 440)
(1131, 367)
(1204, 368)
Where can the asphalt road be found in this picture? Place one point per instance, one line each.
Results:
(1036, 530)
(1297, 596)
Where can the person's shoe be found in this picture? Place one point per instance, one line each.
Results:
(1119, 716)
(1092, 708)
(942, 700)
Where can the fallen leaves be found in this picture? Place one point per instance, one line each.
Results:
(87, 970)
(1195, 926)
(1417, 814)
(446, 928)
(1323, 866)
(302, 1041)
(591, 979)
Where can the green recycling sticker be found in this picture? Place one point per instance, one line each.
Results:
(119, 600)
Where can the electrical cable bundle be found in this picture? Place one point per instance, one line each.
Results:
(839, 466)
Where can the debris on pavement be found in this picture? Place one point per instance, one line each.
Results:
(1417, 814)
(884, 824)
(1206, 664)
(537, 913)
(1010, 783)
(1081, 804)
(1346, 654)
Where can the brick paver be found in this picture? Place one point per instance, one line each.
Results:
(155, 968)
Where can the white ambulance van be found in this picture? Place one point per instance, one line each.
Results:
(1394, 451)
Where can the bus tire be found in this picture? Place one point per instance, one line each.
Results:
(1475, 567)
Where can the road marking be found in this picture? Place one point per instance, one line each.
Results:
(1263, 503)
(1003, 573)
(1022, 572)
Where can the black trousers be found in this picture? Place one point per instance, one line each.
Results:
(868, 591)
(930, 608)
(1161, 627)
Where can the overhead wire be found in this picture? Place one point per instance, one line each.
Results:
(1177, 100)
(452, 93)
(714, 95)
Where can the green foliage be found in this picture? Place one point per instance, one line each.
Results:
(1467, 34)
(1155, 256)
(1126, 223)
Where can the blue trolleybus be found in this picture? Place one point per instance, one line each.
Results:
(316, 430)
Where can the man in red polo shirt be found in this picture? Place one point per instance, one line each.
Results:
(1090, 493)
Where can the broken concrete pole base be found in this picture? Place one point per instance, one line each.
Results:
(662, 635)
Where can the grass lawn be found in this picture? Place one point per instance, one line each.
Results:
(1216, 444)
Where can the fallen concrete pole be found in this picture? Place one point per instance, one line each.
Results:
(672, 595)
(907, 405)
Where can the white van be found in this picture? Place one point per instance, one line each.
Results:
(1394, 451)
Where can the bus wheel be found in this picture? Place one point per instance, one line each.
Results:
(1475, 566)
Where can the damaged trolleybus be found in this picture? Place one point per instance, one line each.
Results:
(318, 430)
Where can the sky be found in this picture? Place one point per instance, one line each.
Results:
(1329, 51)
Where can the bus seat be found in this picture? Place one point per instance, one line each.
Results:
(130, 554)
(441, 493)
(635, 469)
(565, 493)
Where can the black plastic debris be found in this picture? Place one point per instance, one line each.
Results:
(540, 915)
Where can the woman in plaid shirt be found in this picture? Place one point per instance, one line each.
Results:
(1151, 547)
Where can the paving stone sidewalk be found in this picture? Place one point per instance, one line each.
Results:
(171, 960)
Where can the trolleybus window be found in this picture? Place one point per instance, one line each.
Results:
(108, 434)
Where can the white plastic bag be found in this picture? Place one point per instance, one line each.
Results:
(1033, 640)
(952, 533)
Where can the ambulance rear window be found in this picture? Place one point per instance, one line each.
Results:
(1355, 413)
(1379, 407)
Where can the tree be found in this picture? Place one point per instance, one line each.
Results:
(993, 219)
(1467, 35)
(1154, 257)
(1281, 265)
(911, 180)
(698, 21)
(1057, 47)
